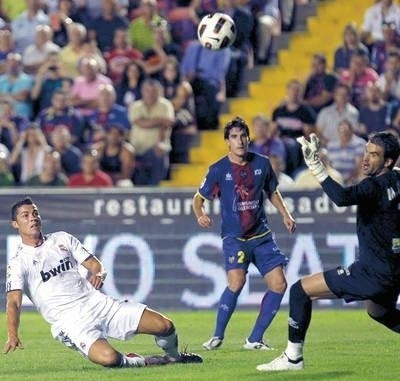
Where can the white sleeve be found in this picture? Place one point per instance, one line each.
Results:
(79, 252)
(15, 275)
(367, 25)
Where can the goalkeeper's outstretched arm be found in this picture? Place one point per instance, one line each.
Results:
(341, 196)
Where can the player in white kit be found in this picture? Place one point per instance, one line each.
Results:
(83, 318)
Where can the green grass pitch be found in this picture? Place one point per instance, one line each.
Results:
(341, 345)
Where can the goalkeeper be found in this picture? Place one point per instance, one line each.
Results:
(375, 276)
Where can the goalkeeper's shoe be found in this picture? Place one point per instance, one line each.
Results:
(214, 343)
(282, 363)
(256, 346)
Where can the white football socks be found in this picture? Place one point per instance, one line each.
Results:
(294, 351)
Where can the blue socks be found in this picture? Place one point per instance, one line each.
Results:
(269, 307)
(227, 305)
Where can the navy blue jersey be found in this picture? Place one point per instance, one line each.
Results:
(378, 220)
(241, 190)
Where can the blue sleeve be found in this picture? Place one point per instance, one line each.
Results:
(271, 182)
(209, 188)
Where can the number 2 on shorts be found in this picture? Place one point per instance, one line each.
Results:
(241, 256)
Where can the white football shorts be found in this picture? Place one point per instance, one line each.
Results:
(100, 317)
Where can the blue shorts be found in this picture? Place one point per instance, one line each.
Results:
(355, 283)
(262, 251)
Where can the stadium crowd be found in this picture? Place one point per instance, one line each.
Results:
(109, 93)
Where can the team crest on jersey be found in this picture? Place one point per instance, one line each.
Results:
(231, 259)
(243, 173)
(62, 248)
(228, 177)
(257, 172)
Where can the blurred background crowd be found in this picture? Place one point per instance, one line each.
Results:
(102, 93)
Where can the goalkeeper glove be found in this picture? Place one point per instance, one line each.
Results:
(310, 151)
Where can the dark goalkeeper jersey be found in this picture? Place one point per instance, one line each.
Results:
(241, 191)
(378, 220)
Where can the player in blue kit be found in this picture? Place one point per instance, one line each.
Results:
(241, 180)
(375, 276)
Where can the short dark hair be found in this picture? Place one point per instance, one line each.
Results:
(237, 122)
(17, 205)
(390, 144)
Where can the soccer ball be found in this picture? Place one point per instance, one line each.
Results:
(216, 31)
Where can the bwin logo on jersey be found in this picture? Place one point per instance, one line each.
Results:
(65, 265)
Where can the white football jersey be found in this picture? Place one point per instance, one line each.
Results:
(50, 277)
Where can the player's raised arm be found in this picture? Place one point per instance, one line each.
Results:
(14, 301)
(202, 218)
(277, 201)
(97, 272)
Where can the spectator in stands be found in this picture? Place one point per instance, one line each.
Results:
(382, 48)
(51, 175)
(16, 84)
(288, 10)
(375, 16)
(104, 26)
(28, 155)
(358, 76)
(319, 85)
(25, 23)
(77, 48)
(351, 44)
(36, 54)
(155, 58)
(6, 176)
(94, 7)
(91, 175)
(152, 118)
(284, 180)
(329, 117)
(180, 93)
(107, 112)
(63, 15)
(86, 88)
(206, 71)
(142, 28)
(346, 155)
(61, 112)
(6, 46)
(70, 155)
(389, 80)
(183, 20)
(128, 89)
(11, 124)
(293, 118)
(48, 79)
(266, 141)
(120, 55)
(241, 47)
(376, 115)
(305, 179)
(116, 155)
(268, 25)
